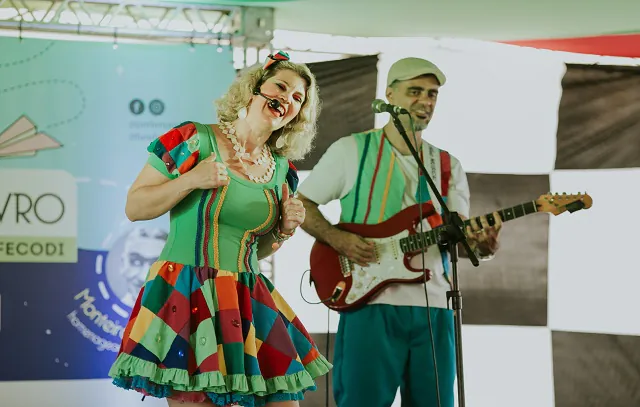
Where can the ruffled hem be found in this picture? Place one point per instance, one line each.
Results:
(147, 388)
(128, 370)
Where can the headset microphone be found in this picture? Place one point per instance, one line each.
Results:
(273, 103)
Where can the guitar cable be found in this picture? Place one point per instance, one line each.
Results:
(424, 272)
(302, 295)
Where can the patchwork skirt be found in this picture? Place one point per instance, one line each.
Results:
(198, 334)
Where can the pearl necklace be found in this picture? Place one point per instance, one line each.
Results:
(242, 155)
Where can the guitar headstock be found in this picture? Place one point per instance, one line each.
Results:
(558, 203)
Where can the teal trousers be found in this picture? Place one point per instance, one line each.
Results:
(382, 347)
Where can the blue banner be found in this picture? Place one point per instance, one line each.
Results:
(75, 122)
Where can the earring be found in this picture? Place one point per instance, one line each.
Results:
(242, 113)
(280, 142)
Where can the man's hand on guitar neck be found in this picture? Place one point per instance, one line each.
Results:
(483, 239)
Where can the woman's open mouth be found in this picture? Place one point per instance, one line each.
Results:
(279, 112)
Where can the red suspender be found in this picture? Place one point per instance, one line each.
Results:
(445, 172)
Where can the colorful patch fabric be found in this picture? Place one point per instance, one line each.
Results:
(273, 58)
(178, 148)
(206, 324)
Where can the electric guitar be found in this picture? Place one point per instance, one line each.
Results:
(345, 286)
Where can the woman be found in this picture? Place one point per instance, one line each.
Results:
(207, 328)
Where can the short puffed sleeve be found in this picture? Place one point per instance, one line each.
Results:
(176, 151)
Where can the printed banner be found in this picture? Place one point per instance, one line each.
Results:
(75, 121)
(38, 217)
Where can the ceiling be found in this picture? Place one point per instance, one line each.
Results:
(496, 20)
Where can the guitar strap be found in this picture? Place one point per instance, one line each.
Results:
(445, 177)
(445, 172)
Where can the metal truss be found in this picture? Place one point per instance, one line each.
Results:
(140, 20)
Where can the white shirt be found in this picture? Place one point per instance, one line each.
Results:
(334, 176)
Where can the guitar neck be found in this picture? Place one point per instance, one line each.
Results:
(420, 241)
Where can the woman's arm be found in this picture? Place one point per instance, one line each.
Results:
(153, 194)
(266, 246)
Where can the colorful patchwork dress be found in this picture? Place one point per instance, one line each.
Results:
(207, 324)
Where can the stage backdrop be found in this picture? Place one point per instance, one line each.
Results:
(346, 86)
(551, 320)
(75, 122)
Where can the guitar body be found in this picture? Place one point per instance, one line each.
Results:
(345, 286)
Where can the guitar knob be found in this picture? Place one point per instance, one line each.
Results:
(361, 272)
(358, 285)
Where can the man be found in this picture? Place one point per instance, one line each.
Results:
(387, 344)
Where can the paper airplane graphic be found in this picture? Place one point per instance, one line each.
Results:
(22, 139)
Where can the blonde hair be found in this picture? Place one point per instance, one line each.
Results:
(298, 134)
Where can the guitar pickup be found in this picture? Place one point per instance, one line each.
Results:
(346, 266)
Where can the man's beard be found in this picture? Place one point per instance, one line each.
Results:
(413, 124)
(419, 126)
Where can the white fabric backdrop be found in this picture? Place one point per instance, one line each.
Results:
(497, 100)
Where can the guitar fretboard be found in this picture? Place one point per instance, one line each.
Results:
(420, 241)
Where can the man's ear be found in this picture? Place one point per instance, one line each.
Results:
(389, 94)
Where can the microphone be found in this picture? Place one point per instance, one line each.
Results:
(379, 106)
(273, 103)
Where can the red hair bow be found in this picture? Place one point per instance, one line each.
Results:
(272, 59)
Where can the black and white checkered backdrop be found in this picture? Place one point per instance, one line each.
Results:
(552, 320)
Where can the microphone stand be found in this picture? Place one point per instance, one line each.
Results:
(449, 235)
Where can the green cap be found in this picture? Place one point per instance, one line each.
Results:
(409, 68)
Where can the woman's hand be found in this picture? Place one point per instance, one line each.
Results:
(208, 174)
(292, 211)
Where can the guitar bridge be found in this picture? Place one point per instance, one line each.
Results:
(345, 266)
